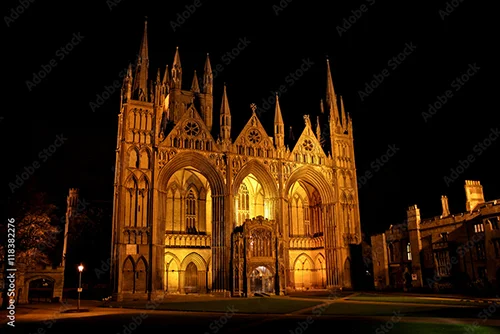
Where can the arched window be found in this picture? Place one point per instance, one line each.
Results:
(191, 212)
(243, 204)
(408, 251)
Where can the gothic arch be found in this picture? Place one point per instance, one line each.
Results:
(190, 159)
(173, 258)
(172, 269)
(141, 275)
(131, 181)
(319, 257)
(261, 173)
(37, 277)
(133, 157)
(145, 158)
(196, 259)
(303, 272)
(316, 179)
(144, 182)
(306, 256)
(128, 274)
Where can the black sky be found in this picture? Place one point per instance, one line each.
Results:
(443, 48)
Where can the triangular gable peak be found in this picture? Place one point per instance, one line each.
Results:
(254, 140)
(190, 132)
(308, 148)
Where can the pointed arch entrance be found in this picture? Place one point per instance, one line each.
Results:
(203, 210)
(255, 193)
(261, 280)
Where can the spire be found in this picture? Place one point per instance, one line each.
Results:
(318, 129)
(279, 125)
(166, 77)
(208, 77)
(344, 117)
(331, 97)
(194, 86)
(177, 71)
(225, 119)
(140, 88)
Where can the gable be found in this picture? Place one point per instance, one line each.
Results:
(190, 132)
(308, 148)
(254, 135)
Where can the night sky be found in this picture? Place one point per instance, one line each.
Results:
(389, 62)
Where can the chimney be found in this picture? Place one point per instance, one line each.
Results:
(474, 194)
(446, 209)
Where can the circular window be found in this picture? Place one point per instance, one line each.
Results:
(254, 136)
(192, 128)
(308, 145)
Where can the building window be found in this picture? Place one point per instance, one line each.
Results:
(243, 204)
(191, 212)
(480, 251)
(408, 251)
(496, 244)
(494, 223)
(443, 263)
(478, 228)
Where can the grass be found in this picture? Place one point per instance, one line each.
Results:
(246, 305)
(405, 299)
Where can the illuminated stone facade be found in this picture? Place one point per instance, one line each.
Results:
(450, 252)
(198, 211)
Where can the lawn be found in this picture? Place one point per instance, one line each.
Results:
(407, 299)
(244, 305)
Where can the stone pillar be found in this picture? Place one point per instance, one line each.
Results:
(330, 247)
(219, 249)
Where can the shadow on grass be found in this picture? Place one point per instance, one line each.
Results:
(353, 309)
(247, 305)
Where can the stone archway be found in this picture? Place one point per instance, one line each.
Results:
(261, 280)
(303, 272)
(327, 199)
(41, 289)
(220, 242)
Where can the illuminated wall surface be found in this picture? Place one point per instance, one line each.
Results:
(197, 210)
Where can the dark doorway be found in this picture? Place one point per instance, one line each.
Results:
(261, 280)
(41, 290)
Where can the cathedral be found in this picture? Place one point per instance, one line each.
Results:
(197, 210)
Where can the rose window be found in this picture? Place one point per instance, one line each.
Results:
(308, 145)
(254, 136)
(192, 128)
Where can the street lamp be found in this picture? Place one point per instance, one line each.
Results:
(80, 269)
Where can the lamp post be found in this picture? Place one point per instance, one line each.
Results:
(80, 269)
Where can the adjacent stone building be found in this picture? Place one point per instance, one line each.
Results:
(451, 252)
(39, 282)
(198, 210)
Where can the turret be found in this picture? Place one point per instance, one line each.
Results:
(176, 82)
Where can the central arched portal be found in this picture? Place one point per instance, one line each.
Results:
(251, 200)
(261, 280)
(191, 213)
